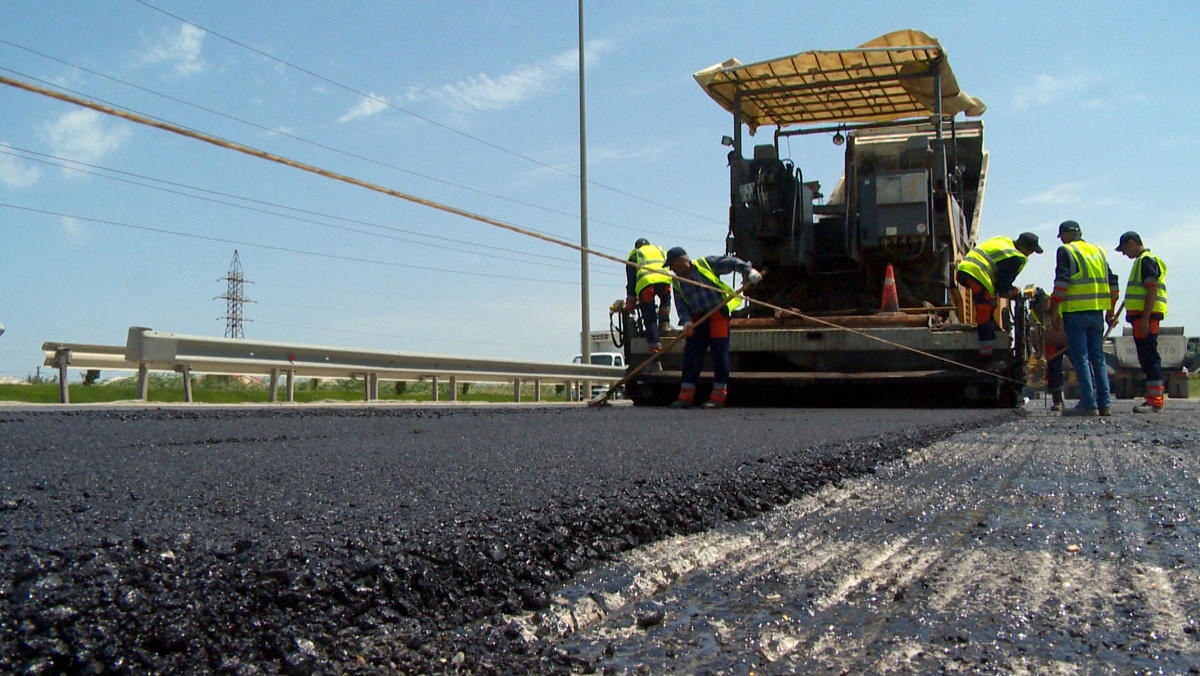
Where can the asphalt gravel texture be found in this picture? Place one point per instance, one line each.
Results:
(373, 539)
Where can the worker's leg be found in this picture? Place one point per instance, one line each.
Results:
(987, 340)
(719, 332)
(649, 319)
(663, 291)
(1095, 342)
(1077, 341)
(1151, 362)
(985, 306)
(1054, 380)
(693, 356)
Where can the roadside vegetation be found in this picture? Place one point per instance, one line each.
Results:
(214, 389)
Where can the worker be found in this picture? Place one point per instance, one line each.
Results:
(643, 284)
(1055, 376)
(1145, 307)
(989, 271)
(1083, 302)
(1054, 349)
(693, 302)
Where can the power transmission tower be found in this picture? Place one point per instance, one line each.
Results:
(234, 298)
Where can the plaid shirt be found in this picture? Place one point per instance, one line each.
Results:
(694, 300)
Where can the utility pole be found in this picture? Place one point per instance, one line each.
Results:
(234, 298)
(585, 342)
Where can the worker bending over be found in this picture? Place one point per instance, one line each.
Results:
(643, 284)
(1145, 307)
(1084, 301)
(693, 302)
(989, 271)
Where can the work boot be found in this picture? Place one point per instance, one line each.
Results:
(1058, 401)
(712, 403)
(680, 403)
(1147, 407)
(1104, 411)
(1079, 411)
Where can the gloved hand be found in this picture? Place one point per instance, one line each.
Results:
(688, 328)
(754, 277)
(630, 304)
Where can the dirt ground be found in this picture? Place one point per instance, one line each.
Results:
(1044, 545)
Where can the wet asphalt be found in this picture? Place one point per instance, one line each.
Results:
(363, 539)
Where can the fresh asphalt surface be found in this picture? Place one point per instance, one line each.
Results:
(355, 538)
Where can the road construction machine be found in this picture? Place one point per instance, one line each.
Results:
(818, 329)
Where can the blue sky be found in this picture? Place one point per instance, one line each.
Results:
(1091, 116)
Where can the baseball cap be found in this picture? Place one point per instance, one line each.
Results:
(1068, 226)
(1028, 240)
(1131, 235)
(675, 252)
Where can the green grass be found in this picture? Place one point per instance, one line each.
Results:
(47, 393)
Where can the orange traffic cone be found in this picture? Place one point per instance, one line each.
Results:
(891, 302)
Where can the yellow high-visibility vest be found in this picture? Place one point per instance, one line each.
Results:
(1089, 289)
(1135, 293)
(651, 256)
(707, 271)
(981, 261)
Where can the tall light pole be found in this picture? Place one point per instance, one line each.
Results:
(585, 347)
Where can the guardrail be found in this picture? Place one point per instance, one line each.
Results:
(147, 350)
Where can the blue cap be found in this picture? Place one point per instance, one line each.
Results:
(675, 252)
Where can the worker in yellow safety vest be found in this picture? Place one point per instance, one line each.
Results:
(693, 302)
(989, 271)
(1084, 301)
(1145, 307)
(643, 284)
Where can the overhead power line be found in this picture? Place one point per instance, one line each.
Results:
(279, 159)
(423, 118)
(295, 137)
(54, 160)
(272, 247)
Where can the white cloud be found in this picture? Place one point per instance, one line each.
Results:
(182, 51)
(72, 228)
(1048, 89)
(80, 135)
(487, 92)
(14, 173)
(366, 107)
(1065, 193)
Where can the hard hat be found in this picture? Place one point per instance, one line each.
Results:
(642, 241)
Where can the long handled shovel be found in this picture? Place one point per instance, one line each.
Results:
(1116, 315)
(602, 400)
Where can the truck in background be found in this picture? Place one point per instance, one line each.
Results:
(1125, 376)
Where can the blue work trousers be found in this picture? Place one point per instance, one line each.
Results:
(1148, 357)
(1085, 337)
(652, 319)
(700, 342)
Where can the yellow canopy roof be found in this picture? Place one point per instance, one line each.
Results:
(877, 82)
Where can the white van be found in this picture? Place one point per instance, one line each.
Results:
(602, 359)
